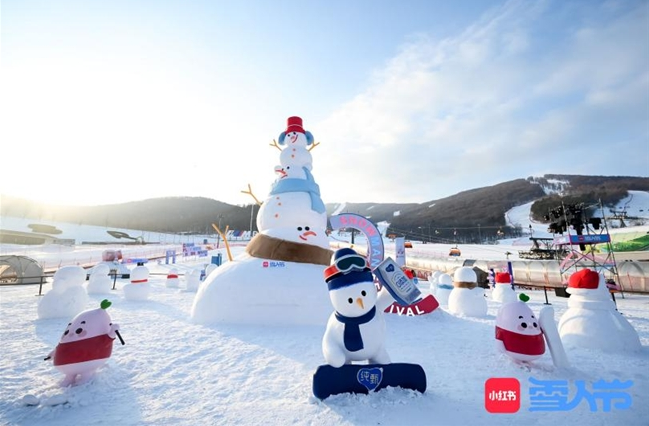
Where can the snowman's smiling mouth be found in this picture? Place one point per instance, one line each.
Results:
(294, 138)
(304, 236)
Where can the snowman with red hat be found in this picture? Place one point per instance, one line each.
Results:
(591, 320)
(296, 143)
(503, 291)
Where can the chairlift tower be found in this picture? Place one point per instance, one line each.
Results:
(581, 237)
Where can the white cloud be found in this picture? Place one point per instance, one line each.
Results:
(496, 102)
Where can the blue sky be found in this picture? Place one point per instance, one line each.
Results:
(411, 101)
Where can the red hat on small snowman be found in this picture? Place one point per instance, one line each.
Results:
(503, 278)
(585, 278)
(294, 124)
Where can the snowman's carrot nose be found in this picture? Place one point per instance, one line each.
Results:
(360, 303)
(120, 337)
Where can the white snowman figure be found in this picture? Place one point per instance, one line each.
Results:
(467, 298)
(503, 291)
(139, 287)
(433, 281)
(356, 329)
(444, 288)
(172, 279)
(100, 282)
(67, 297)
(591, 320)
(518, 331)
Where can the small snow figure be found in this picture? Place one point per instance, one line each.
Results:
(193, 279)
(68, 296)
(172, 279)
(100, 281)
(467, 298)
(139, 287)
(503, 291)
(433, 281)
(356, 330)
(518, 332)
(86, 345)
(444, 287)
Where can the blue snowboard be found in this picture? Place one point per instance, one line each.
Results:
(365, 378)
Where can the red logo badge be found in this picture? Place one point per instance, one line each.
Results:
(502, 395)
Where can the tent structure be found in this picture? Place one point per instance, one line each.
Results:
(19, 270)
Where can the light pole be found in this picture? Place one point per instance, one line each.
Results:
(479, 234)
(252, 210)
(218, 235)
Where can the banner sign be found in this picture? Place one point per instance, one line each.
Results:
(582, 239)
(375, 247)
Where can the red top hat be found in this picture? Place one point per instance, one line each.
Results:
(503, 278)
(294, 124)
(585, 278)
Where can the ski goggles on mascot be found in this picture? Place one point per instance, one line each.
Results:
(343, 264)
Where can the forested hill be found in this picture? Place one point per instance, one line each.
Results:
(464, 215)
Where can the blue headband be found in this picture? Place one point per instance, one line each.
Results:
(340, 281)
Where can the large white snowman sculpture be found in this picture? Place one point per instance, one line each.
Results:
(290, 251)
(356, 329)
(467, 298)
(591, 320)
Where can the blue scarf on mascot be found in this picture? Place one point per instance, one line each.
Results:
(352, 334)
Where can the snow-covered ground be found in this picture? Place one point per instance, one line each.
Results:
(174, 372)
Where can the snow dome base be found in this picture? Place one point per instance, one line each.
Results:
(243, 291)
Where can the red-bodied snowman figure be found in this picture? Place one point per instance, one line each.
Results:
(86, 345)
(518, 332)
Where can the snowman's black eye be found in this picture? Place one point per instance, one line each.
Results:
(520, 317)
(306, 228)
(288, 167)
(66, 332)
(524, 325)
(350, 300)
(299, 228)
(363, 293)
(535, 326)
